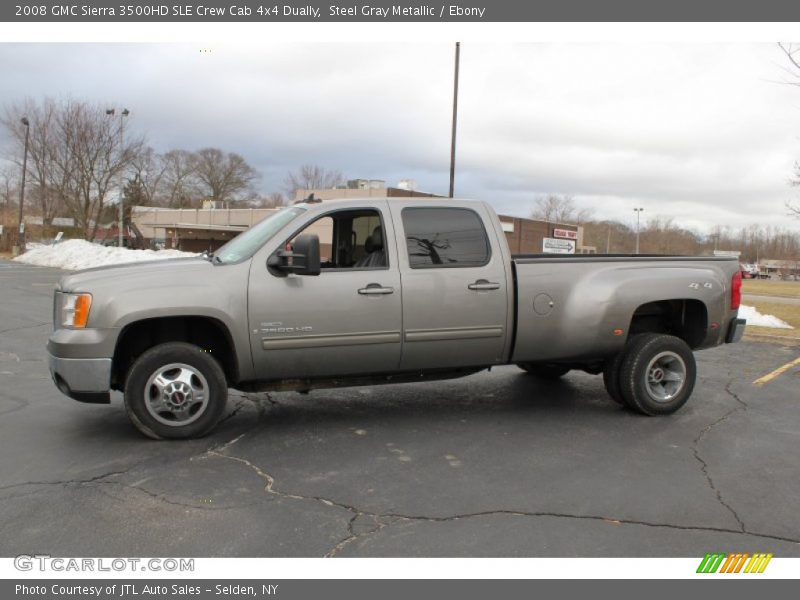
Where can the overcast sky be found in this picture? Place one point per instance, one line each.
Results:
(698, 132)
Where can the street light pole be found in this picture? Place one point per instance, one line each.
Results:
(455, 121)
(638, 212)
(21, 231)
(124, 113)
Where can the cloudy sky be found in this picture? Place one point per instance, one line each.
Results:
(703, 133)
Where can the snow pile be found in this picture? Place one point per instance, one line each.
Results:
(80, 254)
(757, 319)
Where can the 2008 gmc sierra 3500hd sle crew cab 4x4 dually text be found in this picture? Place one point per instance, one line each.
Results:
(400, 290)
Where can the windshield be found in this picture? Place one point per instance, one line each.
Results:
(246, 244)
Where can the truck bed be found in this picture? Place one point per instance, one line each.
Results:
(523, 258)
(584, 307)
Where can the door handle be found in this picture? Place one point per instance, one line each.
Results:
(483, 284)
(375, 289)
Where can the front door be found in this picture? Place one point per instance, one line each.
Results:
(345, 321)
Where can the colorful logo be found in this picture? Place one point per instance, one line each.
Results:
(740, 562)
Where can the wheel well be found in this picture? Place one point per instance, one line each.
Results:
(686, 319)
(207, 333)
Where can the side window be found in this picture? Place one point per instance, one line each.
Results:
(349, 239)
(323, 228)
(445, 237)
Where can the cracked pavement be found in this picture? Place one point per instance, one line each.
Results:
(495, 464)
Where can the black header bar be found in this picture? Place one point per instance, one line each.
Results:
(403, 11)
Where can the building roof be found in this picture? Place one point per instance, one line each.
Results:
(199, 226)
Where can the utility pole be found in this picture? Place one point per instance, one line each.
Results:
(124, 113)
(638, 212)
(455, 120)
(20, 247)
(608, 241)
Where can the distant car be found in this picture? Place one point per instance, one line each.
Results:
(749, 271)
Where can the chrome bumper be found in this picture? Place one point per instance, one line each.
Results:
(82, 379)
(735, 331)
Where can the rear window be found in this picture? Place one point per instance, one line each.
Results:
(445, 237)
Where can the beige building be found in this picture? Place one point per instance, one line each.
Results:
(364, 192)
(199, 229)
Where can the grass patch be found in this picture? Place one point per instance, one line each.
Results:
(766, 287)
(787, 312)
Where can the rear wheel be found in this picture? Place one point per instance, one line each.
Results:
(611, 377)
(657, 374)
(175, 391)
(545, 371)
(611, 371)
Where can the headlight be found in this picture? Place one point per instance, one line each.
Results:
(75, 310)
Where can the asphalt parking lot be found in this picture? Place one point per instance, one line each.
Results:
(495, 464)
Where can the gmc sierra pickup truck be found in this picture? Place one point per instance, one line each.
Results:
(360, 292)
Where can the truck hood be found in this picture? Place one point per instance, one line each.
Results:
(136, 275)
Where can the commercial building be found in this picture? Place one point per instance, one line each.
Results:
(199, 229)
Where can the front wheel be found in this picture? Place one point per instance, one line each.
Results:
(657, 374)
(545, 371)
(175, 391)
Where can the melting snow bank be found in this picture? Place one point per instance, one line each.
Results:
(757, 319)
(80, 254)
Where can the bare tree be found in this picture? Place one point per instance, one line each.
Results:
(311, 177)
(792, 52)
(178, 185)
(794, 181)
(75, 152)
(88, 159)
(9, 193)
(147, 171)
(41, 142)
(555, 208)
(222, 176)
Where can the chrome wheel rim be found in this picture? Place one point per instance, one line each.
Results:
(176, 394)
(665, 376)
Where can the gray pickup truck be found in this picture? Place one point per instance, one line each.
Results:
(361, 292)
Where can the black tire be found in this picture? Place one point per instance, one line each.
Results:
(189, 405)
(545, 371)
(611, 369)
(611, 377)
(657, 374)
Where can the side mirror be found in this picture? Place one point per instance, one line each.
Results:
(302, 260)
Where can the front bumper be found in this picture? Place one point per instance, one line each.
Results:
(735, 331)
(82, 379)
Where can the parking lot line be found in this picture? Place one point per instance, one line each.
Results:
(779, 371)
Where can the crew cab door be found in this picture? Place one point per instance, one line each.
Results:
(344, 321)
(455, 302)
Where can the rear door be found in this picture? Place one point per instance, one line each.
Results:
(455, 307)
